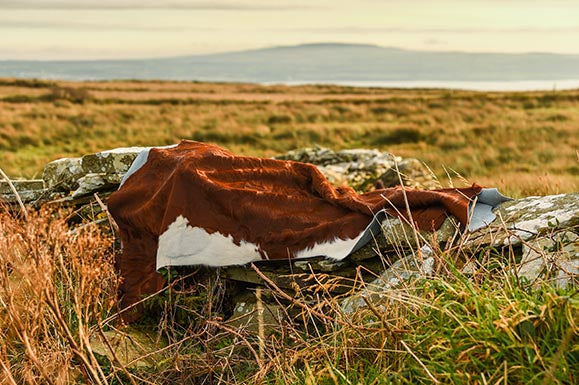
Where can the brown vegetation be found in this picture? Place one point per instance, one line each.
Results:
(525, 143)
(56, 287)
(58, 296)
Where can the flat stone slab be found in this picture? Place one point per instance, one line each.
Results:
(297, 274)
(21, 185)
(28, 190)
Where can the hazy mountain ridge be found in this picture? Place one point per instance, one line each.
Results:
(312, 62)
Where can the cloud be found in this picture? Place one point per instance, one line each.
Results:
(232, 5)
(434, 42)
(98, 26)
(380, 30)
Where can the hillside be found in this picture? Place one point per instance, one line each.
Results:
(312, 63)
(524, 143)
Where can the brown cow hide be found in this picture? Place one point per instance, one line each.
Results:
(197, 203)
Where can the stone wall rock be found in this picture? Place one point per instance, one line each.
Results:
(116, 161)
(525, 219)
(413, 174)
(362, 169)
(379, 290)
(91, 183)
(553, 259)
(90, 173)
(253, 314)
(540, 233)
(28, 190)
(63, 174)
(21, 185)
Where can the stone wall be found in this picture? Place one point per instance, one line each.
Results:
(538, 235)
(77, 177)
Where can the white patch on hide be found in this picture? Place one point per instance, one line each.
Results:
(183, 245)
(337, 248)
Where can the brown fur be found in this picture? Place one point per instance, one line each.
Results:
(282, 206)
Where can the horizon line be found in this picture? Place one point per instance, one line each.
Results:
(289, 46)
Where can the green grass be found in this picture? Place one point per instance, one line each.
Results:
(495, 332)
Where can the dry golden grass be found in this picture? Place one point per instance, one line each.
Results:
(56, 287)
(58, 294)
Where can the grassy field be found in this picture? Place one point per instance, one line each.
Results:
(58, 288)
(524, 143)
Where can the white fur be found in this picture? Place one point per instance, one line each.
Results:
(182, 245)
(337, 248)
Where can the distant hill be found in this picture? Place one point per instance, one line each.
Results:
(311, 63)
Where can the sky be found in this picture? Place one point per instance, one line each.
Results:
(117, 29)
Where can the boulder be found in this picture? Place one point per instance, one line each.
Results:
(92, 182)
(116, 161)
(381, 288)
(63, 174)
(91, 172)
(361, 169)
